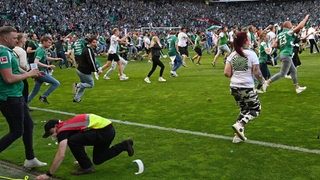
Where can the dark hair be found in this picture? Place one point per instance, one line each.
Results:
(240, 39)
(91, 38)
(4, 30)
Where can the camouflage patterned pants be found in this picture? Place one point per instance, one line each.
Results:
(248, 102)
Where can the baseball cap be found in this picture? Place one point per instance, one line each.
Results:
(50, 124)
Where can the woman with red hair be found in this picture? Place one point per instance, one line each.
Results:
(241, 66)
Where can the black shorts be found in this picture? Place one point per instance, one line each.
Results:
(113, 57)
(183, 50)
(198, 51)
(148, 51)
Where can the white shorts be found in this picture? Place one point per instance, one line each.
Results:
(223, 48)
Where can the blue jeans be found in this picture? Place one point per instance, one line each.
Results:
(38, 83)
(86, 81)
(16, 112)
(61, 54)
(177, 62)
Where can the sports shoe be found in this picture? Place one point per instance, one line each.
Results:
(198, 63)
(213, 64)
(161, 79)
(44, 100)
(264, 86)
(128, 144)
(300, 89)
(236, 139)
(123, 78)
(287, 77)
(259, 91)
(76, 101)
(81, 171)
(147, 80)
(173, 74)
(184, 64)
(96, 75)
(106, 77)
(75, 88)
(33, 163)
(239, 130)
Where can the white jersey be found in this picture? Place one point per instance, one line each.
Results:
(215, 38)
(113, 44)
(242, 76)
(311, 31)
(271, 36)
(182, 39)
(230, 36)
(146, 41)
(22, 58)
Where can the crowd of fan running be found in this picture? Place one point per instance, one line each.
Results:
(99, 16)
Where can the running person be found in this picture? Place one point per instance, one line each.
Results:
(241, 66)
(197, 48)
(173, 53)
(222, 45)
(114, 41)
(264, 52)
(183, 45)
(284, 42)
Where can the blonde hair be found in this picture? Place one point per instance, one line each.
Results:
(154, 40)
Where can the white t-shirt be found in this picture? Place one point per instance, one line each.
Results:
(22, 57)
(230, 36)
(113, 44)
(271, 36)
(242, 76)
(311, 31)
(182, 39)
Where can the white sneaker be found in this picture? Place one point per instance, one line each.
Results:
(161, 79)
(33, 163)
(287, 77)
(184, 64)
(239, 130)
(96, 75)
(259, 91)
(147, 80)
(123, 78)
(264, 86)
(236, 139)
(173, 74)
(106, 77)
(300, 89)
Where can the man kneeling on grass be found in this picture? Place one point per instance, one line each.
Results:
(78, 132)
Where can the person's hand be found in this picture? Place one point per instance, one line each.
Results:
(34, 73)
(52, 66)
(42, 177)
(100, 71)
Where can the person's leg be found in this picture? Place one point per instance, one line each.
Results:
(154, 66)
(25, 91)
(86, 81)
(36, 88)
(54, 85)
(178, 62)
(13, 111)
(28, 134)
(286, 63)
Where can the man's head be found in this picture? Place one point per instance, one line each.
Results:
(46, 41)
(287, 25)
(49, 127)
(8, 36)
(116, 31)
(92, 41)
(183, 29)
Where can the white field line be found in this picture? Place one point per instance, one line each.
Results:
(261, 143)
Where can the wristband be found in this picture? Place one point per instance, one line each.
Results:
(49, 174)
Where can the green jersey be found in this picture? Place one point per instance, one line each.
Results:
(223, 39)
(197, 42)
(263, 56)
(285, 40)
(172, 45)
(8, 60)
(102, 40)
(41, 55)
(78, 46)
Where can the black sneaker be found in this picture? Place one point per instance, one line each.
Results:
(76, 101)
(44, 100)
(129, 143)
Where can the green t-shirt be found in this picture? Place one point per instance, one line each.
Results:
(78, 46)
(197, 42)
(172, 40)
(8, 60)
(41, 55)
(102, 40)
(263, 56)
(223, 39)
(285, 39)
